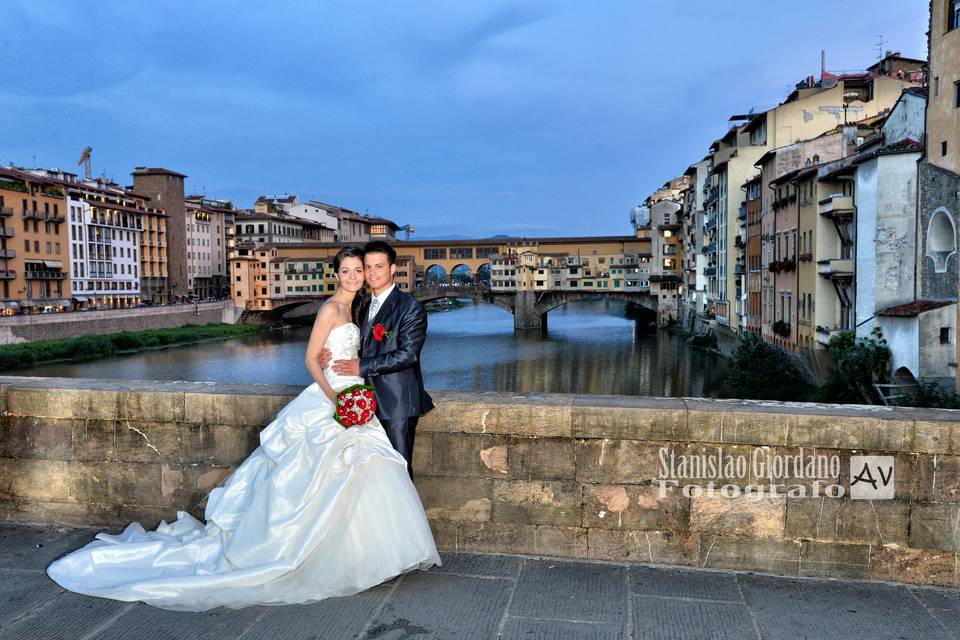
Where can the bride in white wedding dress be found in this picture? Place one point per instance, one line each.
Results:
(318, 510)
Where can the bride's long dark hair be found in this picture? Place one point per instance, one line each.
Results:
(358, 300)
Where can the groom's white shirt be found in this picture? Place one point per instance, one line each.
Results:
(381, 299)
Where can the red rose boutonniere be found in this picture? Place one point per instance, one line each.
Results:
(380, 332)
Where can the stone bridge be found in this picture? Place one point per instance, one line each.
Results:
(529, 308)
(541, 474)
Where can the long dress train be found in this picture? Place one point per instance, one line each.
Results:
(315, 511)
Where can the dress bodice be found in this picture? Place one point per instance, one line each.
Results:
(344, 344)
(344, 341)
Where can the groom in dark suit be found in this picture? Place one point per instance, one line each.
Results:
(393, 329)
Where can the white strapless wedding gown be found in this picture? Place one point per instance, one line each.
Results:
(316, 511)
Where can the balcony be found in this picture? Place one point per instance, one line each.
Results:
(8, 274)
(739, 242)
(7, 253)
(837, 206)
(710, 248)
(739, 270)
(713, 196)
(46, 274)
(742, 214)
(6, 212)
(825, 333)
(835, 268)
(710, 271)
(710, 226)
(6, 232)
(33, 215)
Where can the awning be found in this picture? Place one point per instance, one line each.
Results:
(81, 299)
(13, 305)
(61, 303)
(27, 303)
(53, 264)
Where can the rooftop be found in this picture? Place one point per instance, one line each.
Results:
(915, 308)
(486, 596)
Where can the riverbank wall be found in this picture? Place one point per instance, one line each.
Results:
(51, 326)
(556, 475)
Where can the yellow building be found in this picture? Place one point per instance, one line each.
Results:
(33, 244)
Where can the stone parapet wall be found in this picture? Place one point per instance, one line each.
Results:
(49, 326)
(559, 475)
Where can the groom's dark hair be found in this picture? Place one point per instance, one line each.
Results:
(379, 246)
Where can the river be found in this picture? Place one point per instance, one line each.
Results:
(592, 347)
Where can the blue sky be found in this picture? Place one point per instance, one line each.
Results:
(471, 118)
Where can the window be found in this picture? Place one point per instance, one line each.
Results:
(944, 335)
(936, 87)
(956, 94)
(943, 148)
(953, 14)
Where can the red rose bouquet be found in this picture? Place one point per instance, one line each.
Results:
(356, 406)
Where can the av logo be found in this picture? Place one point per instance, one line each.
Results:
(871, 477)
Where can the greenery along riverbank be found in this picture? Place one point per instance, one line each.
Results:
(26, 354)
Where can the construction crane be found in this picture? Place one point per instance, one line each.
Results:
(85, 161)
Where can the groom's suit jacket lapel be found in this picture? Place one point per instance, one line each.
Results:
(382, 312)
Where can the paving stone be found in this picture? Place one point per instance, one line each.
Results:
(788, 609)
(476, 564)
(944, 605)
(571, 591)
(435, 606)
(21, 591)
(332, 618)
(35, 547)
(144, 622)
(530, 629)
(67, 617)
(663, 619)
(673, 583)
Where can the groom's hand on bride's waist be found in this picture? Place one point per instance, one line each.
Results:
(347, 368)
(324, 358)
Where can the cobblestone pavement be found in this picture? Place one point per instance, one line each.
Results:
(490, 596)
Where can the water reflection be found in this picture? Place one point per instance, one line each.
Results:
(592, 348)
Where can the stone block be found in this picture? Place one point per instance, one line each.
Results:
(444, 534)
(117, 483)
(465, 499)
(934, 437)
(465, 455)
(26, 479)
(30, 437)
(621, 545)
(546, 415)
(737, 422)
(918, 566)
(532, 502)
(542, 458)
(611, 506)
(94, 440)
(234, 410)
(616, 461)
(72, 403)
(767, 554)
(148, 442)
(563, 542)
(630, 417)
(496, 537)
(150, 406)
(423, 454)
(929, 478)
(738, 517)
(842, 520)
(834, 560)
(935, 526)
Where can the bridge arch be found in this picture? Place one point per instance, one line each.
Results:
(436, 274)
(461, 273)
(483, 274)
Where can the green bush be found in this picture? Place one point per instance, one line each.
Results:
(858, 363)
(931, 394)
(760, 371)
(16, 356)
(704, 341)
